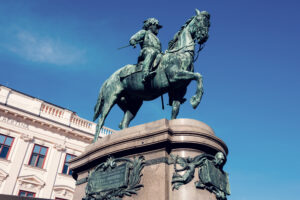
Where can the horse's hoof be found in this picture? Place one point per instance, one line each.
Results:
(194, 102)
(120, 126)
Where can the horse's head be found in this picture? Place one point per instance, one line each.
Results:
(199, 26)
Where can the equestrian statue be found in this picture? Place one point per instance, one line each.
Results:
(156, 73)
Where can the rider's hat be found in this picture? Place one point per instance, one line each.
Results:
(151, 21)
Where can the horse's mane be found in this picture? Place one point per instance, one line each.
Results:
(175, 38)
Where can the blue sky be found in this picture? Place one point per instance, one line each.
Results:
(62, 51)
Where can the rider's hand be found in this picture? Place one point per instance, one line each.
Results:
(133, 43)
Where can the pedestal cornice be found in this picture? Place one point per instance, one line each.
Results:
(172, 134)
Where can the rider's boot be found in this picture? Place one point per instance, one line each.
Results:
(148, 76)
(147, 67)
(145, 74)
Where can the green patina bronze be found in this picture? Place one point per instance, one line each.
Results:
(114, 179)
(150, 46)
(211, 174)
(156, 73)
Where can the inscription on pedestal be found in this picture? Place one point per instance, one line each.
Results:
(115, 178)
(110, 179)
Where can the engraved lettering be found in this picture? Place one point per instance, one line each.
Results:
(114, 178)
(13, 122)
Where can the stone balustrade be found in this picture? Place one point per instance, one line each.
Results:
(82, 124)
(47, 110)
(106, 131)
(50, 110)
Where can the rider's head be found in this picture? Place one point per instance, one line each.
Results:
(152, 24)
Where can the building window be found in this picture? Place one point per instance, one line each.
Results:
(38, 156)
(5, 145)
(66, 169)
(23, 193)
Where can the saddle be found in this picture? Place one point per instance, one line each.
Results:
(132, 69)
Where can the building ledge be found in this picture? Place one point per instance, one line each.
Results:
(65, 175)
(3, 160)
(36, 168)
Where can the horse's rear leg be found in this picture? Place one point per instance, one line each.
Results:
(130, 108)
(175, 109)
(175, 99)
(107, 105)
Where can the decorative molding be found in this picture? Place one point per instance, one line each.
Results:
(13, 122)
(62, 191)
(41, 120)
(30, 183)
(40, 142)
(3, 176)
(36, 168)
(27, 138)
(155, 161)
(8, 133)
(5, 162)
(211, 174)
(60, 147)
(115, 178)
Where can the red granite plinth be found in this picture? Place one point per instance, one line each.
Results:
(155, 141)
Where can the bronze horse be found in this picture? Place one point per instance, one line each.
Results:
(173, 74)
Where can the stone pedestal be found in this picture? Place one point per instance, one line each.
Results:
(156, 141)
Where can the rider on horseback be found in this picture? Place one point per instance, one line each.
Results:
(150, 46)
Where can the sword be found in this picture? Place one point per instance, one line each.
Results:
(134, 46)
(124, 47)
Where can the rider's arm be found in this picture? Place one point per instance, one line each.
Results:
(137, 38)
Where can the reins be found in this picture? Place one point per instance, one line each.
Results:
(198, 52)
(200, 48)
(176, 50)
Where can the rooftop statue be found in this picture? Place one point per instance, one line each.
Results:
(156, 73)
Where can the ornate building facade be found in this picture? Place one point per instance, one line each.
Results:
(37, 139)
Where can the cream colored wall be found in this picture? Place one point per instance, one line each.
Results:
(32, 121)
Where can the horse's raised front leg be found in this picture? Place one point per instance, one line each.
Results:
(185, 75)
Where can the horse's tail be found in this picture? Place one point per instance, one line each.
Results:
(99, 104)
